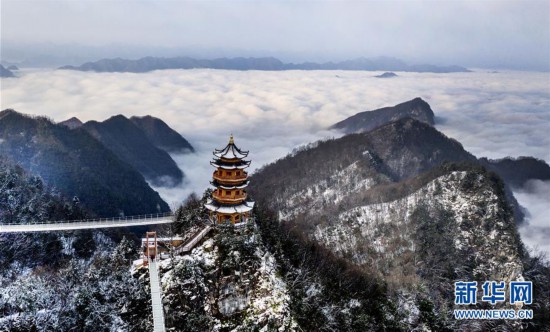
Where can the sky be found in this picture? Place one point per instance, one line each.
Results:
(488, 34)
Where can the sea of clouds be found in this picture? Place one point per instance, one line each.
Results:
(493, 114)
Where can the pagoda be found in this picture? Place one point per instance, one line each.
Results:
(229, 201)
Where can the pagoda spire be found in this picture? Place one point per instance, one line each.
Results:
(229, 201)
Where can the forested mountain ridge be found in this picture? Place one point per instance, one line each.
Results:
(514, 171)
(406, 204)
(78, 165)
(392, 152)
(61, 281)
(25, 198)
(131, 144)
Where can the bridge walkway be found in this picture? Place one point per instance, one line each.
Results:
(193, 241)
(156, 297)
(62, 225)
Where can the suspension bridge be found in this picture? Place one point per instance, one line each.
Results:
(67, 225)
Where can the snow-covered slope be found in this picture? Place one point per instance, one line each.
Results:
(228, 283)
(376, 234)
(402, 204)
(349, 180)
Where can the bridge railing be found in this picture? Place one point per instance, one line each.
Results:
(99, 220)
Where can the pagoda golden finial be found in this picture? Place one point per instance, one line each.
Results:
(231, 141)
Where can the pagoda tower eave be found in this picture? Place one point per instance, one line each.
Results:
(214, 164)
(246, 206)
(222, 186)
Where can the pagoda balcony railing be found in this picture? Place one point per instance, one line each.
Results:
(229, 199)
(233, 179)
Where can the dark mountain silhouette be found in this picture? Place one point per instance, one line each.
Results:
(151, 63)
(387, 74)
(517, 171)
(78, 165)
(131, 144)
(365, 121)
(161, 135)
(13, 67)
(269, 63)
(4, 72)
(425, 68)
(72, 123)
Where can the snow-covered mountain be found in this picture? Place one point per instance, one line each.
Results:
(365, 232)
(407, 205)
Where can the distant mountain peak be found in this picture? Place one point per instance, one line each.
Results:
(117, 118)
(7, 112)
(4, 72)
(72, 123)
(387, 74)
(415, 108)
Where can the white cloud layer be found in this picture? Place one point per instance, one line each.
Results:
(491, 114)
(536, 232)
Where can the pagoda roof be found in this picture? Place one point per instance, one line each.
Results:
(245, 206)
(223, 186)
(231, 151)
(218, 163)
